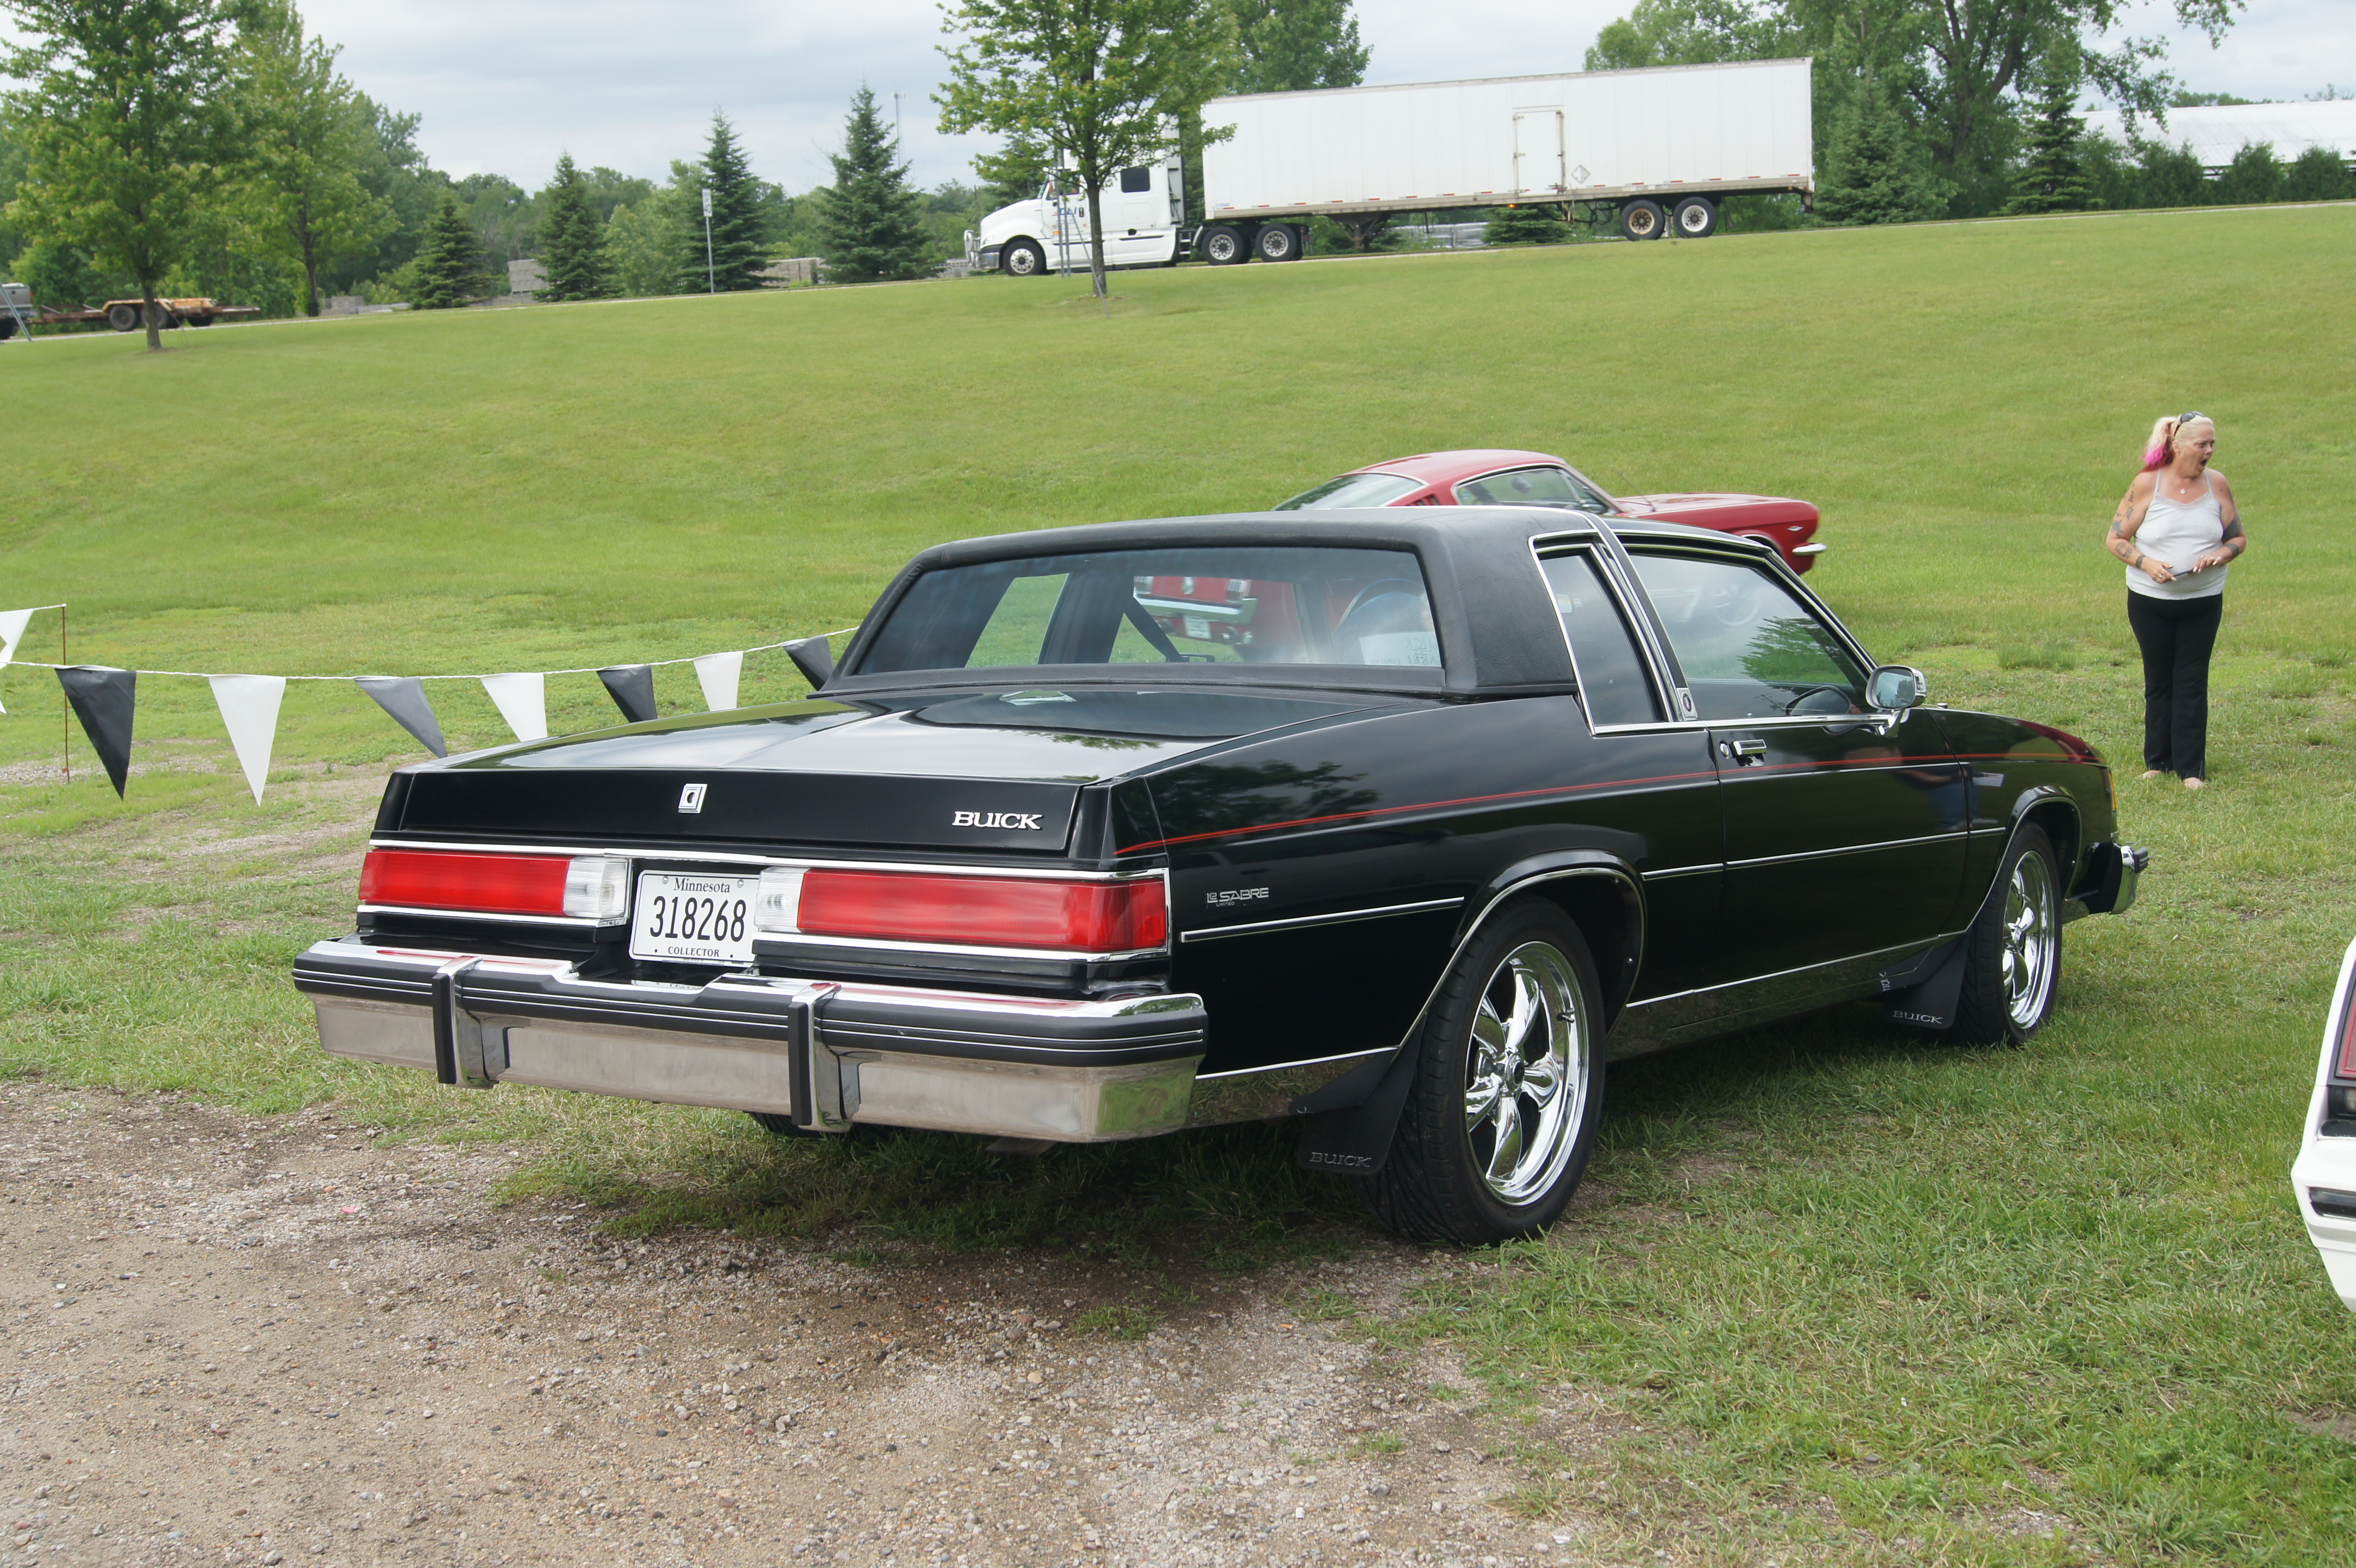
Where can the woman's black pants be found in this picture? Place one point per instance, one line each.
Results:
(2175, 636)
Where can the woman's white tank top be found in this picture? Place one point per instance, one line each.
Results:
(2177, 532)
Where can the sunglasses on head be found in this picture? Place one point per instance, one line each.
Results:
(2188, 418)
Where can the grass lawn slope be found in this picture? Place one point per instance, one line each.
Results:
(1849, 1297)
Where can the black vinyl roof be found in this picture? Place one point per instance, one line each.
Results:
(1499, 631)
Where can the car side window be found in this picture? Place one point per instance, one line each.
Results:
(1520, 487)
(1613, 679)
(1590, 497)
(1133, 181)
(1749, 647)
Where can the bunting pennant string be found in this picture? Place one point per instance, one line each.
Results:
(718, 674)
(105, 698)
(249, 707)
(523, 700)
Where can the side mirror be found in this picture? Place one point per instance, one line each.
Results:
(1895, 688)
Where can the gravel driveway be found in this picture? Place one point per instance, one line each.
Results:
(239, 1339)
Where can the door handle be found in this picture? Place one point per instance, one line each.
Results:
(1747, 752)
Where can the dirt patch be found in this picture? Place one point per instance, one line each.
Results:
(270, 1340)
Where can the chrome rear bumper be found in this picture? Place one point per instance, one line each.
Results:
(828, 1056)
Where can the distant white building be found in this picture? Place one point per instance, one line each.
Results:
(2216, 133)
(526, 277)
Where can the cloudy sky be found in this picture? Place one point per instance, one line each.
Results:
(507, 86)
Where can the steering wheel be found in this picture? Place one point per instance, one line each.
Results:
(1840, 699)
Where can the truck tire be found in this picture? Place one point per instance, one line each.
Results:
(1642, 219)
(1222, 245)
(123, 317)
(1278, 243)
(1022, 259)
(1696, 217)
(200, 321)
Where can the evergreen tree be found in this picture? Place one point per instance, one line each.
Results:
(1526, 225)
(449, 267)
(735, 255)
(872, 226)
(1875, 170)
(2054, 177)
(571, 242)
(2170, 176)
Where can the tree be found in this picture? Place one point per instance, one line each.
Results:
(2252, 176)
(2317, 175)
(449, 267)
(308, 141)
(872, 226)
(736, 254)
(1289, 46)
(1874, 171)
(2170, 176)
(1102, 80)
(126, 125)
(571, 238)
(1691, 32)
(2054, 177)
(1526, 225)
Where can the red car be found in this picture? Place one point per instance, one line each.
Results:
(1489, 477)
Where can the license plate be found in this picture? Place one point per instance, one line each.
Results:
(693, 918)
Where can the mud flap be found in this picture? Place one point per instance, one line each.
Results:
(1343, 1134)
(1923, 992)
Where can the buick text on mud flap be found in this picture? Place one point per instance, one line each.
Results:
(1027, 822)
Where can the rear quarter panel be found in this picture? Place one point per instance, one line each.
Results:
(2017, 767)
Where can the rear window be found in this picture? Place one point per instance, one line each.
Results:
(1194, 605)
(1351, 490)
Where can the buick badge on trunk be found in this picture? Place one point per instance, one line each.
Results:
(1530, 790)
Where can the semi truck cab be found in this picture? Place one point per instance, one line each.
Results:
(1144, 211)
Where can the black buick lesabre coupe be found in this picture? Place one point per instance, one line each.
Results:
(1398, 826)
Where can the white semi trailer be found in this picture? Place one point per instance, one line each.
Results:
(1660, 148)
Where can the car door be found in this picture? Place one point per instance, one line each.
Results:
(1136, 219)
(1845, 829)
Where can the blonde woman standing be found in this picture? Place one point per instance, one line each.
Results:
(2177, 531)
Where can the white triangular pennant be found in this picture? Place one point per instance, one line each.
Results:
(249, 706)
(717, 673)
(12, 629)
(523, 701)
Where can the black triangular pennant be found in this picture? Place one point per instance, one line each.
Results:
(103, 700)
(404, 696)
(632, 687)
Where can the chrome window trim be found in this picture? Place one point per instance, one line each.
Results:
(722, 857)
(1917, 946)
(1306, 922)
(1663, 694)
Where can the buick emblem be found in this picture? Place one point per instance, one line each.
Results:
(690, 800)
(1028, 822)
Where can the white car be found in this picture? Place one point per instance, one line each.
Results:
(2324, 1174)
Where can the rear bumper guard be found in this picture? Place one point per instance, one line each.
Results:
(829, 1055)
(2112, 875)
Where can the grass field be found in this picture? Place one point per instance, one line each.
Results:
(1871, 1300)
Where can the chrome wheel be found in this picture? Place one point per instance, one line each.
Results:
(2031, 941)
(1525, 1073)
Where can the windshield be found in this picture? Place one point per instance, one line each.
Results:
(1351, 490)
(1231, 604)
(1530, 487)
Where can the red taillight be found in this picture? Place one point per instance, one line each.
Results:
(2346, 1067)
(481, 884)
(985, 911)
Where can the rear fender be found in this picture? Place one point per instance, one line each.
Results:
(1348, 1136)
